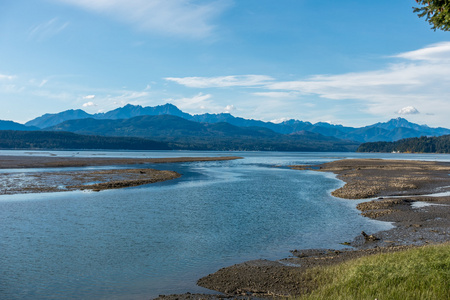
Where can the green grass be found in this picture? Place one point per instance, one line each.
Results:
(420, 273)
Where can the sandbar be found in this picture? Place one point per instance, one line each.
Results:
(94, 180)
(17, 162)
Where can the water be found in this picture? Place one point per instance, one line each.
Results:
(137, 243)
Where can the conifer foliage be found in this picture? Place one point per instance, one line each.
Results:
(436, 12)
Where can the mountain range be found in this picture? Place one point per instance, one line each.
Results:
(168, 124)
(392, 130)
(185, 134)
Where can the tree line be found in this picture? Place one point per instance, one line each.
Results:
(12, 139)
(423, 144)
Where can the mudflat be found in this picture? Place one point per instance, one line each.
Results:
(367, 178)
(18, 162)
(95, 180)
(399, 192)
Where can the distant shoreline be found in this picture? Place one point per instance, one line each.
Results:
(95, 180)
(419, 220)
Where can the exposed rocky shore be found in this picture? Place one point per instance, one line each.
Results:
(46, 182)
(95, 180)
(367, 178)
(419, 219)
(30, 161)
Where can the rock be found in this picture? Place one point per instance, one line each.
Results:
(369, 238)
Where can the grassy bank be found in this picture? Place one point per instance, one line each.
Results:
(418, 273)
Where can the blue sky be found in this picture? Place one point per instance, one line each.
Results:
(347, 62)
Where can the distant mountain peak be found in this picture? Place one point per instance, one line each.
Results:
(48, 120)
(169, 105)
(393, 129)
(399, 120)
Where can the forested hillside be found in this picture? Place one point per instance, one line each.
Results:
(423, 144)
(11, 139)
(190, 135)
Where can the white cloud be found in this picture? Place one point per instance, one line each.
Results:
(222, 81)
(89, 104)
(230, 108)
(408, 110)
(178, 17)
(47, 29)
(89, 97)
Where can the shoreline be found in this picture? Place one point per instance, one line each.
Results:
(95, 180)
(414, 225)
(392, 187)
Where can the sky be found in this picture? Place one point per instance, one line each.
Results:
(349, 62)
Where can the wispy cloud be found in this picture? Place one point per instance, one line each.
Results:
(8, 84)
(47, 29)
(222, 81)
(416, 77)
(426, 72)
(176, 17)
(7, 77)
(422, 77)
(196, 104)
(277, 95)
(201, 103)
(107, 99)
(435, 53)
(63, 95)
(123, 97)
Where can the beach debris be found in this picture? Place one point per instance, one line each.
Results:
(369, 238)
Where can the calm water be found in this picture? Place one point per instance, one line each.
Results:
(137, 243)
